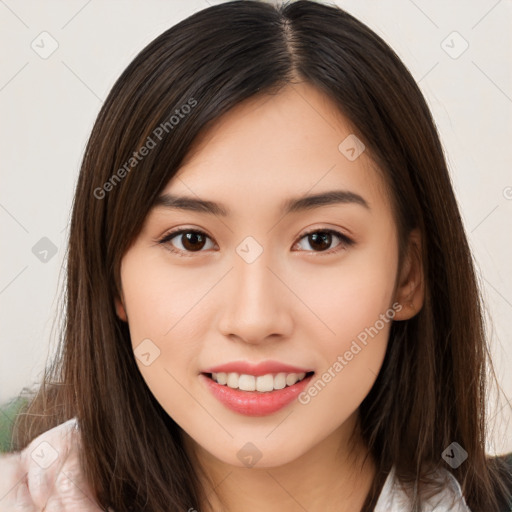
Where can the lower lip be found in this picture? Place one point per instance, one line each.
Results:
(255, 403)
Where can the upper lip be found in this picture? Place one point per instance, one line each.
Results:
(262, 368)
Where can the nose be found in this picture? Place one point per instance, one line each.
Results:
(258, 305)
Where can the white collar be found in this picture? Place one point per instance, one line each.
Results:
(395, 498)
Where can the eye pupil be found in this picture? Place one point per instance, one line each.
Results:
(190, 238)
(321, 236)
(194, 241)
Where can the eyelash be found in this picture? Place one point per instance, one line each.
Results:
(344, 241)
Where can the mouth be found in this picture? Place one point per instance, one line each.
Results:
(256, 395)
(261, 383)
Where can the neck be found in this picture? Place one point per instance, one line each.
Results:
(331, 476)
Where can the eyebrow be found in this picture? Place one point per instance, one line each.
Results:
(289, 206)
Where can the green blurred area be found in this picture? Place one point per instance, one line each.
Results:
(8, 414)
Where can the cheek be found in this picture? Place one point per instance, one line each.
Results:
(159, 312)
(161, 301)
(167, 314)
(350, 357)
(354, 305)
(352, 297)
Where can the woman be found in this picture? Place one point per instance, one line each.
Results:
(271, 302)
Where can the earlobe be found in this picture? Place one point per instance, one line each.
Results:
(410, 290)
(120, 310)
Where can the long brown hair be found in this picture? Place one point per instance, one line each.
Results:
(432, 387)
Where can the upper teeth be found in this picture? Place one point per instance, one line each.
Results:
(267, 382)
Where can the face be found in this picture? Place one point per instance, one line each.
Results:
(311, 288)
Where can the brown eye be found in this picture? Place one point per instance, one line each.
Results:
(321, 240)
(190, 240)
(194, 241)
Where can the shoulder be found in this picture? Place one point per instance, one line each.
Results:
(54, 444)
(395, 497)
(52, 462)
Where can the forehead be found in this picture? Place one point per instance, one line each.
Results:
(279, 146)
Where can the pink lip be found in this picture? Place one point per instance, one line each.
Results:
(255, 403)
(262, 368)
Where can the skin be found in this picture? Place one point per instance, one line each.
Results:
(294, 303)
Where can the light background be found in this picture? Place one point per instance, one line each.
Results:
(48, 107)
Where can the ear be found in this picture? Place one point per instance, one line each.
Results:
(120, 309)
(410, 286)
